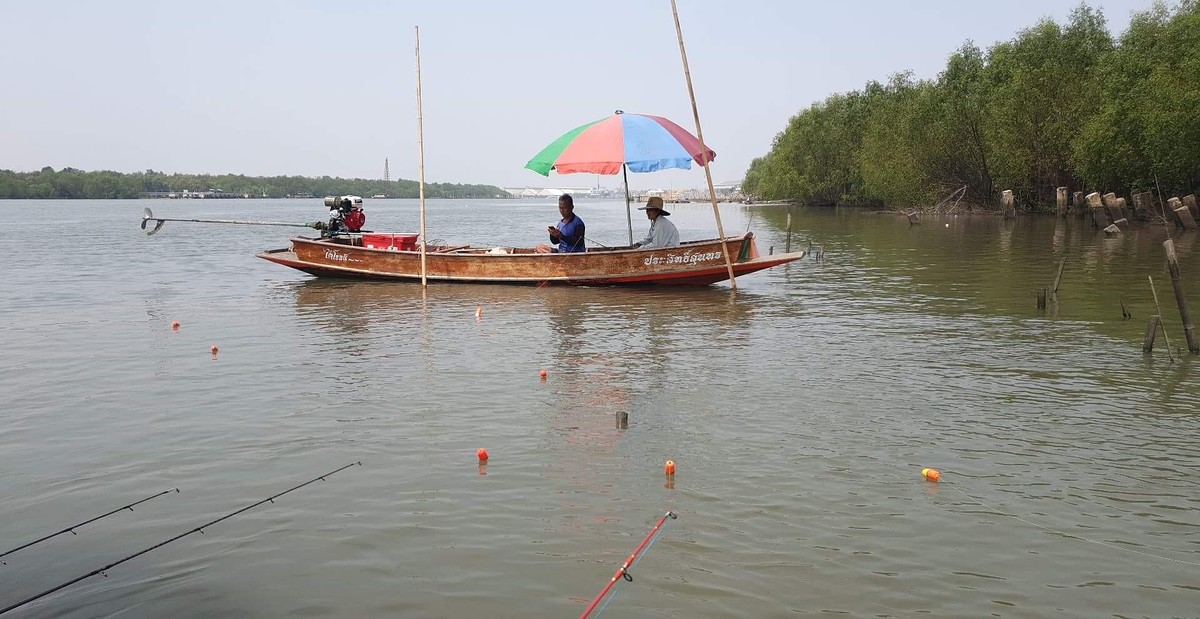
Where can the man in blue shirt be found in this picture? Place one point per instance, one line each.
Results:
(567, 234)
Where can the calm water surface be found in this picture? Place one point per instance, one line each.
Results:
(799, 412)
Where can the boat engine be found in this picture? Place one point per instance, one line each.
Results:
(345, 214)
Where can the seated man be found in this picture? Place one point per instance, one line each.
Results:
(568, 234)
(662, 231)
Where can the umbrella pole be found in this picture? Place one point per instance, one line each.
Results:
(421, 152)
(628, 213)
(703, 149)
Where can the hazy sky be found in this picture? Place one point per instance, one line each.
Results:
(328, 88)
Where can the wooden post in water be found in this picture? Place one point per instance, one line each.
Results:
(1151, 331)
(1062, 201)
(622, 420)
(1185, 216)
(712, 192)
(1123, 206)
(1166, 338)
(1142, 202)
(1113, 207)
(1078, 204)
(1041, 298)
(1189, 330)
(787, 248)
(1190, 202)
(1009, 203)
(1096, 206)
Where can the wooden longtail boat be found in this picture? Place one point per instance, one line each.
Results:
(692, 263)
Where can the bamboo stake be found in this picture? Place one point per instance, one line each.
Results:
(421, 158)
(1189, 329)
(1058, 278)
(1166, 338)
(712, 192)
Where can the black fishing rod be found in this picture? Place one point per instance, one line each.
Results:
(71, 529)
(270, 499)
(148, 216)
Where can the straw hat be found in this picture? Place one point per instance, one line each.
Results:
(654, 202)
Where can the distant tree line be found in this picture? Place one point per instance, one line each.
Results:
(1059, 105)
(70, 183)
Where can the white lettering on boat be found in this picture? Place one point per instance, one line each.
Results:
(333, 254)
(686, 257)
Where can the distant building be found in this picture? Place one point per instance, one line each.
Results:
(549, 192)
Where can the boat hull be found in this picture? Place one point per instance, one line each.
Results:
(697, 263)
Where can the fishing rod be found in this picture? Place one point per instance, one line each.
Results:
(200, 529)
(623, 571)
(148, 216)
(71, 529)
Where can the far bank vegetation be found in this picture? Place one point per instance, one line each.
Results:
(1058, 105)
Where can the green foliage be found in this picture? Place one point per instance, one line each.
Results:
(70, 183)
(1057, 105)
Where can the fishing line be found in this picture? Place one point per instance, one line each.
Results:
(71, 529)
(270, 499)
(1070, 535)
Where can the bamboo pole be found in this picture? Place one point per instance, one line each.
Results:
(1189, 329)
(712, 192)
(1166, 338)
(1058, 278)
(421, 158)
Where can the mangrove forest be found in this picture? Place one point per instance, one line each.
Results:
(1057, 105)
(70, 183)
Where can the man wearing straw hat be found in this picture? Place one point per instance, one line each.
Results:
(662, 231)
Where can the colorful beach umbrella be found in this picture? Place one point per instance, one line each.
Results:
(642, 142)
(622, 142)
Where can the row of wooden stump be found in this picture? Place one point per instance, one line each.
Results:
(1113, 214)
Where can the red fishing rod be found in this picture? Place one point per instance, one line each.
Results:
(623, 571)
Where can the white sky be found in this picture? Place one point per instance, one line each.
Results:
(314, 88)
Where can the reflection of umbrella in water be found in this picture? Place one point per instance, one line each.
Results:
(621, 143)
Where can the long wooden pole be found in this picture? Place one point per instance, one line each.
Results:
(1189, 329)
(712, 192)
(421, 157)
(1166, 337)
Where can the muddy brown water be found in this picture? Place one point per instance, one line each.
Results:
(799, 411)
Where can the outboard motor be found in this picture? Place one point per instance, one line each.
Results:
(345, 214)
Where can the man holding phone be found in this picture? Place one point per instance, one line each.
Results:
(568, 234)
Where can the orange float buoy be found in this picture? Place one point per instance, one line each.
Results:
(478, 312)
(543, 374)
(175, 325)
(483, 454)
(214, 350)
(931, 474)
(669, 467)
